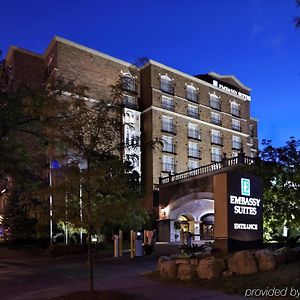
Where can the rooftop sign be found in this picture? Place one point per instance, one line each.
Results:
(230, 90)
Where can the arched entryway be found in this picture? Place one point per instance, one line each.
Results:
(207, 226)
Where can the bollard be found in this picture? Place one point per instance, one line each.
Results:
(120, 242)
(116, 245)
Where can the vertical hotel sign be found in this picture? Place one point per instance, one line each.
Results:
(245, 223)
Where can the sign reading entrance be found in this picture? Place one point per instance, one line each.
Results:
(238, 210)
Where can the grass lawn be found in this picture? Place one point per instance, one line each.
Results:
(286, 275)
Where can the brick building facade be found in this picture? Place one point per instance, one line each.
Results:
(199, 119)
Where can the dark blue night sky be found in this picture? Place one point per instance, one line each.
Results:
(253, 39)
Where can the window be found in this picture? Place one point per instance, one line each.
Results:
(167, 103)
(193, 150)
(128, 82)
(236, 143)
(193, 111)
(216, 154)
(166, 84)
(193, 164)
(129, 101)
(236, 125)
(168, 124)
(251, 130)
(216, 137)
(168, 144)
(193, 131)
(215, 102)
(168, 164)
(235, 111)
(191, 93)
(215, 118)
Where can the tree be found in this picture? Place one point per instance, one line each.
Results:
(95, 185)
(280, 170)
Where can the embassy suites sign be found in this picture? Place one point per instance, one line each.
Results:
(231, 90)
(244, 207)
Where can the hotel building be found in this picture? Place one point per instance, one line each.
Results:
(198, 119)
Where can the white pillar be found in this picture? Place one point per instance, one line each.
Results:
(197, 230)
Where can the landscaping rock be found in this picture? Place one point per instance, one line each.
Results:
(182, 261)
(186, 272)
(265, 260)
(242, 262)
(280, 256)
(194, 261)
(168, 269)
(161, 260)
(227, 273)
(210, 267)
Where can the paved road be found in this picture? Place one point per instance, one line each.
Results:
(27, 278)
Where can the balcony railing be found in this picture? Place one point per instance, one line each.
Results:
(216, 157)
(193, 114)
(236, 145)
(217, 140)
(168, 167)
(167, 87)
(168, 127)
(170, 148)
(194, 134)
(192, 96)
(215, 105)
(236, 127)
(130, 102)
(216, 121)
(168, 106)
(241, 159)
(195, 153)
(235, 112)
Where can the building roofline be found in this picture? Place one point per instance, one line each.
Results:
(15, 48)
(214, 74)
(90, 50)
(153, 62)
(254, 119)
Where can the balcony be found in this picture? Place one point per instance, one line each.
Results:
(168, 106)
(217, 140)
(194, 134)
(192, 96)
(193, 114)
(130, 102)
(168, 127)
(168, 167)
(194, 153)
(235, 112)
(236, 145)
(167, 87)
(236, 127)
(129, 84)
(216, 121)
(215, 105)
(216, 157)
(169, 148)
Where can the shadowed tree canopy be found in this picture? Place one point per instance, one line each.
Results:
(281, 173)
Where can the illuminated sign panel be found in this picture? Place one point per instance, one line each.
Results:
(244, 209)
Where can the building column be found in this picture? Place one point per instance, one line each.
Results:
(197, 230)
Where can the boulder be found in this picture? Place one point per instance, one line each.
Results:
(210, 267)
(168, 269)
(182, 261)
(161, 260)
(242, 262)
(265, 260)
(280, 255)
(227, 273)
(194, 261)
(186, 272)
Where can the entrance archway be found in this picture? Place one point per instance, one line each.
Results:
(207, 226)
